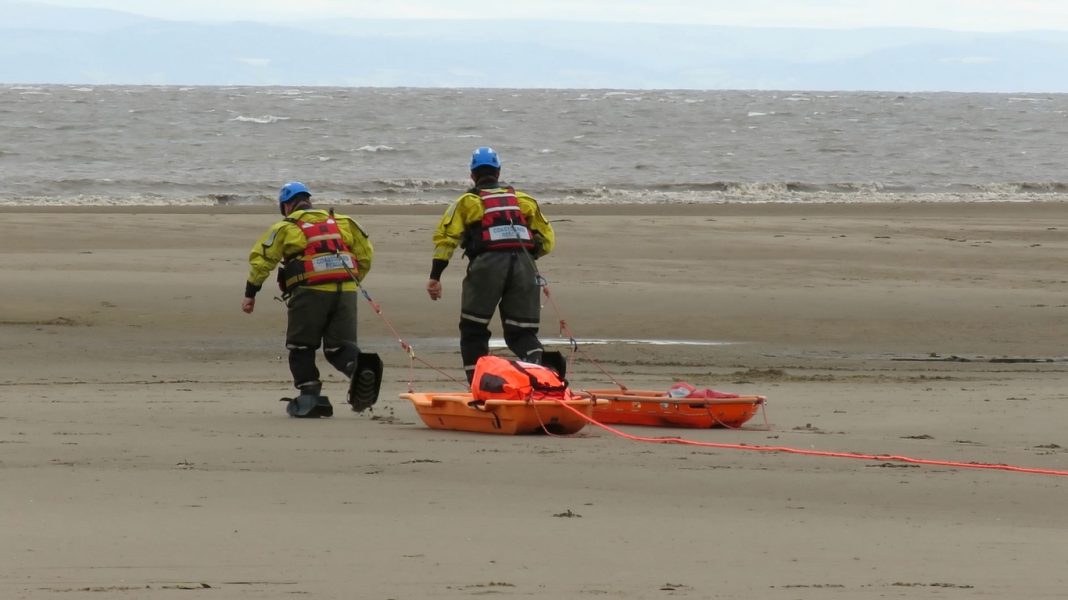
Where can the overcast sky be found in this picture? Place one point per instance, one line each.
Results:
(967, 15)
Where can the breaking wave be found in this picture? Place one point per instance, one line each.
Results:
(264, 120)
(397, 192)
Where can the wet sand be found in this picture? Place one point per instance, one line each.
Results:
(143, 451)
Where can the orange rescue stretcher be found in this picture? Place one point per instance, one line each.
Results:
(457, 411)
(657, 409)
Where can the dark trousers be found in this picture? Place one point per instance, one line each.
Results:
(504, 280)
(320, 318)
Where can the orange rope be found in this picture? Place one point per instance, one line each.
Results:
(541, 421)
(565, 331)
(408, 348)
(820, 453)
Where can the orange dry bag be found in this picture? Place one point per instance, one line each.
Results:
(502, 379)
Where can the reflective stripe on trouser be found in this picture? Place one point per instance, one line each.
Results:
(320, 318)
(504, 279)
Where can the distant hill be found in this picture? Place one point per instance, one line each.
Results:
(85, 46)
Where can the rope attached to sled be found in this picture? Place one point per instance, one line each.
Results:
(565, 331)
(408, 348)
(818, 453)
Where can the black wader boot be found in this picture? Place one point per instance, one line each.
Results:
(309, 404)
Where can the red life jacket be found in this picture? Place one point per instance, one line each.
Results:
(503, 226)
(503, 379)
(325, 256)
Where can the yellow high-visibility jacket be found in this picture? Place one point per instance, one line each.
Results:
(467, 210)
(285, 239)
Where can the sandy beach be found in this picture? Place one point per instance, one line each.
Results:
(144, 453)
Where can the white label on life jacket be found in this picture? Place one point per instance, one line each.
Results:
(331, 262)
(508, 232)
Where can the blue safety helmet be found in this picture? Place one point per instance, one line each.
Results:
(292, 189)
(485, 157)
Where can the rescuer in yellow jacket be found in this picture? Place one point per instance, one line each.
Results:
(502, 232)
(322, 255)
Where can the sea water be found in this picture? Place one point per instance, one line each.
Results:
(205, 146)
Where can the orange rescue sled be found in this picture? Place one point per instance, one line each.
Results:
(657, 409)
(445, 410)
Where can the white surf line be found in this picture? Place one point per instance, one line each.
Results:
(374, 343)
(497, 343)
